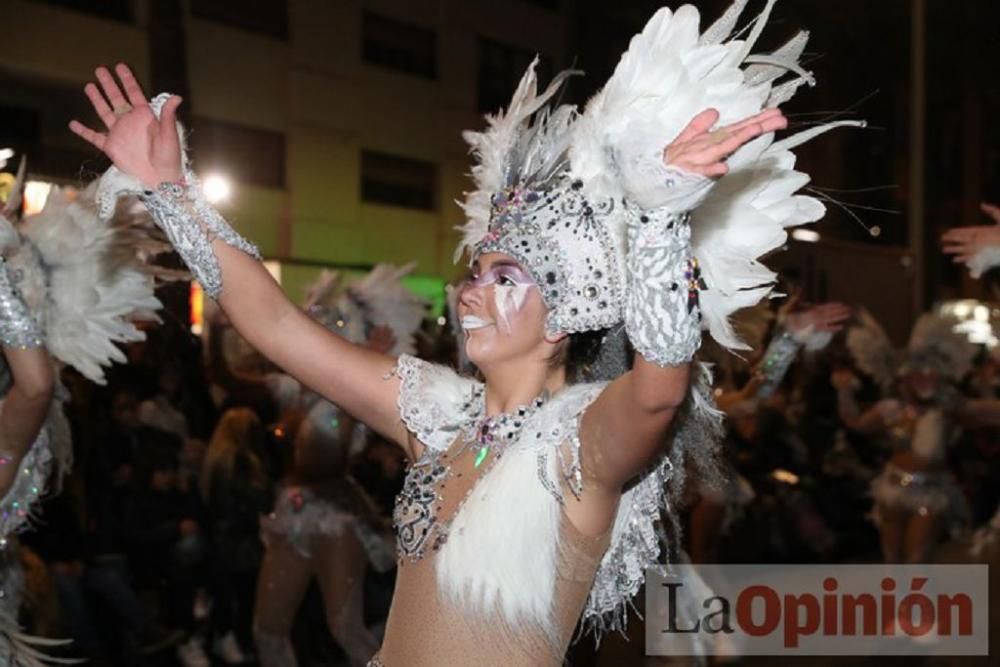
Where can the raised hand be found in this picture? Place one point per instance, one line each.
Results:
(138, 143)
(964, 242)
(699, 149)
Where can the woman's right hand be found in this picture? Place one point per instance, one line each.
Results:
(138, 143)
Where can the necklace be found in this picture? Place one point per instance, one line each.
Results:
(415, 515)
(494, 433)
(498, 431)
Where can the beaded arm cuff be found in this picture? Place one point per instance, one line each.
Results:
(17, 327)
(777, 360)
(662, 313)
(192, 225)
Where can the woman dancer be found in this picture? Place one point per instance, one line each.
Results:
(916, 497)
(531, 499)
(236, 492)
(324, 526)
(51, 311)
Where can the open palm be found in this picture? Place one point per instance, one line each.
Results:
(699, 149)
(140, 144)
(965, 242)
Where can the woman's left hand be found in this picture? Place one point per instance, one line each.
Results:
(699, 149)
(140, 144)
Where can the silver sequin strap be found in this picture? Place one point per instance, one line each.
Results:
(662, 311)
(777, 360)
(192, 225)
(17, 326)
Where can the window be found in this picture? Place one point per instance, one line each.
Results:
(19, 124)
(397, 181)
(268, 18)
(245, 154)
(119, 10)
(500, 69)
(33, 122)
(399, 46)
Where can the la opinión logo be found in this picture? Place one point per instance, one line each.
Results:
(831, 613)
(765, 609)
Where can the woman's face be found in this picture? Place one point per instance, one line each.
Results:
(920, 385)
(501, 312)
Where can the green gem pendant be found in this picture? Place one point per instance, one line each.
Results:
(481, 455)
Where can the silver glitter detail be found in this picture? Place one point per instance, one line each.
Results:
(17, 507)
(662, 315)
(17, 326)
(777, 359)
(192, 224)
(561, 238)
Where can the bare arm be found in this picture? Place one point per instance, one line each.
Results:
(24, 408)
(624, 429)
(148, 148)
(343, 373)
(868, 422)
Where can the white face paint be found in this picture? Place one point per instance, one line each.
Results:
(507, 298)
(511, 285)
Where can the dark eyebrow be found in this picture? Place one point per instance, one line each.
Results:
(505, 262)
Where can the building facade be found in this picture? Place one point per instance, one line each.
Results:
(337, 121)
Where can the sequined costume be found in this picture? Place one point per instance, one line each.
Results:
(325, 527)
(465, 531)
(933, 490)
(916, 479)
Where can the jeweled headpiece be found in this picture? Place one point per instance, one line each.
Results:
(531, 207)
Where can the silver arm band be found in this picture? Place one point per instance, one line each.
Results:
(192, 225)
(662, 310)
(778, 358)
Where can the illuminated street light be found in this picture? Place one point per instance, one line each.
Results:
(807, 235)
(217, 188)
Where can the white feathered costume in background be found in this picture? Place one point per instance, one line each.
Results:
(86, 283)
(933, 347)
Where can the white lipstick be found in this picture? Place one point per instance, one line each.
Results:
(470, 322)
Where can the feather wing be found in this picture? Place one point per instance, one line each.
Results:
(89, 281)
(669, 74)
